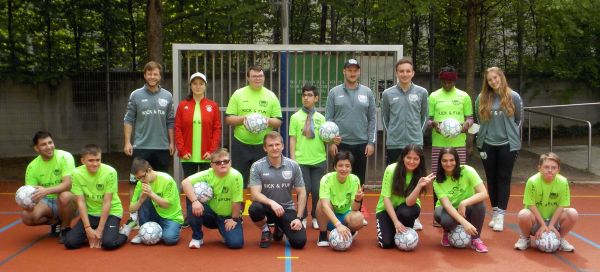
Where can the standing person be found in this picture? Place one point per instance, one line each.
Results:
(499, 111)
(341, 198)
(96, 187)
(461, 197)
(404, 114)
(50, 174)
(547, 201)
(223, 211)
(351, 106)
(247, 147)
(156, 198)
(449, 102)
(272, 179)
(150, 110)
(399, 205)
(307, 148)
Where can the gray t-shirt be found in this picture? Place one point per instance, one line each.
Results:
(152, 115)
(497, 134)
(404, 115)
(277, 182)
(354, 113)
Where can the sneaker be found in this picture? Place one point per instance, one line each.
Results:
(185, 225)
(493, 221)
(127, 227)
(445, 242)
(315, 224)
(277, 234)
(365, 223)
(523, 243)
(195, 244)
(304, 223)
(417, 225)
(63, 235)
(136, 240)
(354, 234)
(54, 230)
(436, 224)
(478, 245)
(266, 239)
(565, 245)
(322, 243)
(499, 223)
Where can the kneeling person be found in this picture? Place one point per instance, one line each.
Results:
(95, 186)
(547, 199)
(223, 210)
(156, 199)
(340, 200)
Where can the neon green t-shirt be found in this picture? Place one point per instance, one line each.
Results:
(308, 151)
(245, 101)
(458, 190)
(94, 187)
(196, 141)
(226, 190)
(49, 173)
(386, 189)
(453, 104)
(341, 195)
(165, 187)
(547, 197)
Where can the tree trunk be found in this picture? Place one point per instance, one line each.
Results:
(323, 25)
(472, 7)
(48, 36)
(132, 35)
(154, 30)
(415, 35)
(333, 26)
(520, 15)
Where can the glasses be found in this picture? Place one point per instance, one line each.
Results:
(221, 162)
(142, 176)
(256, 76)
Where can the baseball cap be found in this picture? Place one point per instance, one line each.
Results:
(200, 75)
(351, 62)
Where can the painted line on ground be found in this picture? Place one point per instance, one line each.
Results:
(5, 228)
(580, 237)
(10, 213)
(26, 247)
(288, 256)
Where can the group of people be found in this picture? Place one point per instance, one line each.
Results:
(256, 162)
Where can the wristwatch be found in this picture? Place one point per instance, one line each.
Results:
(300, 218)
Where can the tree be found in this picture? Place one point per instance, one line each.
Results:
(154, 30)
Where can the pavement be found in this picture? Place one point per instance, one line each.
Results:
(575, 156)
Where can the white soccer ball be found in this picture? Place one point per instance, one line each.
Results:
(150, 232)
(459, 238)
(450, 128)
(328, 131)
(337, 242)
(406, 241)
(548, 242)
(203, 191)
(255, 123)
(23, 196)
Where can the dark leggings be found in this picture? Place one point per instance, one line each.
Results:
(259, 211)
(190, 168)
(385, 226)
(312, 175)
(475, 215)
(498, 165)
(111, 238)
(359, 167)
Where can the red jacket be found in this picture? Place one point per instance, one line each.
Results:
(211, 126)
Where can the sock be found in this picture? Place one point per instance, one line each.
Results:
(322, 235)
(500, 212)
(265, 228)
(494, 211)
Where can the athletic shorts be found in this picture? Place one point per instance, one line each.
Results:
(536, 226)
(341, 217)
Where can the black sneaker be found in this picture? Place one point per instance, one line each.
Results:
(185, 225)
(63, 235)
(277, 234)
(54, 230)
(266, 239)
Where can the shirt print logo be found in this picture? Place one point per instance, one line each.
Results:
(209, 108)
(162, 102)
(362, 98)
(263, 103)
(287, 174)
(413, 97)
(185, 107)
(100, 187)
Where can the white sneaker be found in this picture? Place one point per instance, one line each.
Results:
(365, 222)
(315, 224)
(136, 240)
(354, 234)
(304, 223)
(523, 243)
(324, 243)
(418, 225)
(499, 223)
(566, 246)
(493, 221)
(195, 244)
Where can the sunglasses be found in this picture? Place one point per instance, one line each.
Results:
(221, 162)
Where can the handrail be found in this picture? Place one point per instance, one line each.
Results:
(563, 106)
(552, 116)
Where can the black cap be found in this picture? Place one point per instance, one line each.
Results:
(351, 62)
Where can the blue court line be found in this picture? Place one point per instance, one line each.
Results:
(28, 246)
(5, 228)
(10, 212)
(580, 237)
(288, 255)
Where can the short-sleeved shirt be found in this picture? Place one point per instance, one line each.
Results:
(341, 195)
(547, 196)
(245, 101)
(94, 187)
(308, 151)
(49, 173)
(454, 104)
(457, 190)
(386, 189)
(165, 187)
(277, 182)
(226, 190)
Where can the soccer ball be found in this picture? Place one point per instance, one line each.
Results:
(150, 232)
(23, 196)
(203, 191)
(548, 242)
(255, 123)
(458, 237)
(450, 128)
(337, 242)
(328, 131)
(406, 241)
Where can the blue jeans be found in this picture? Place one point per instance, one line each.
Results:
(233, 238)
(170, 228)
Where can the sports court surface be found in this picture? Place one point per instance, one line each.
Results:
(25, 248)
